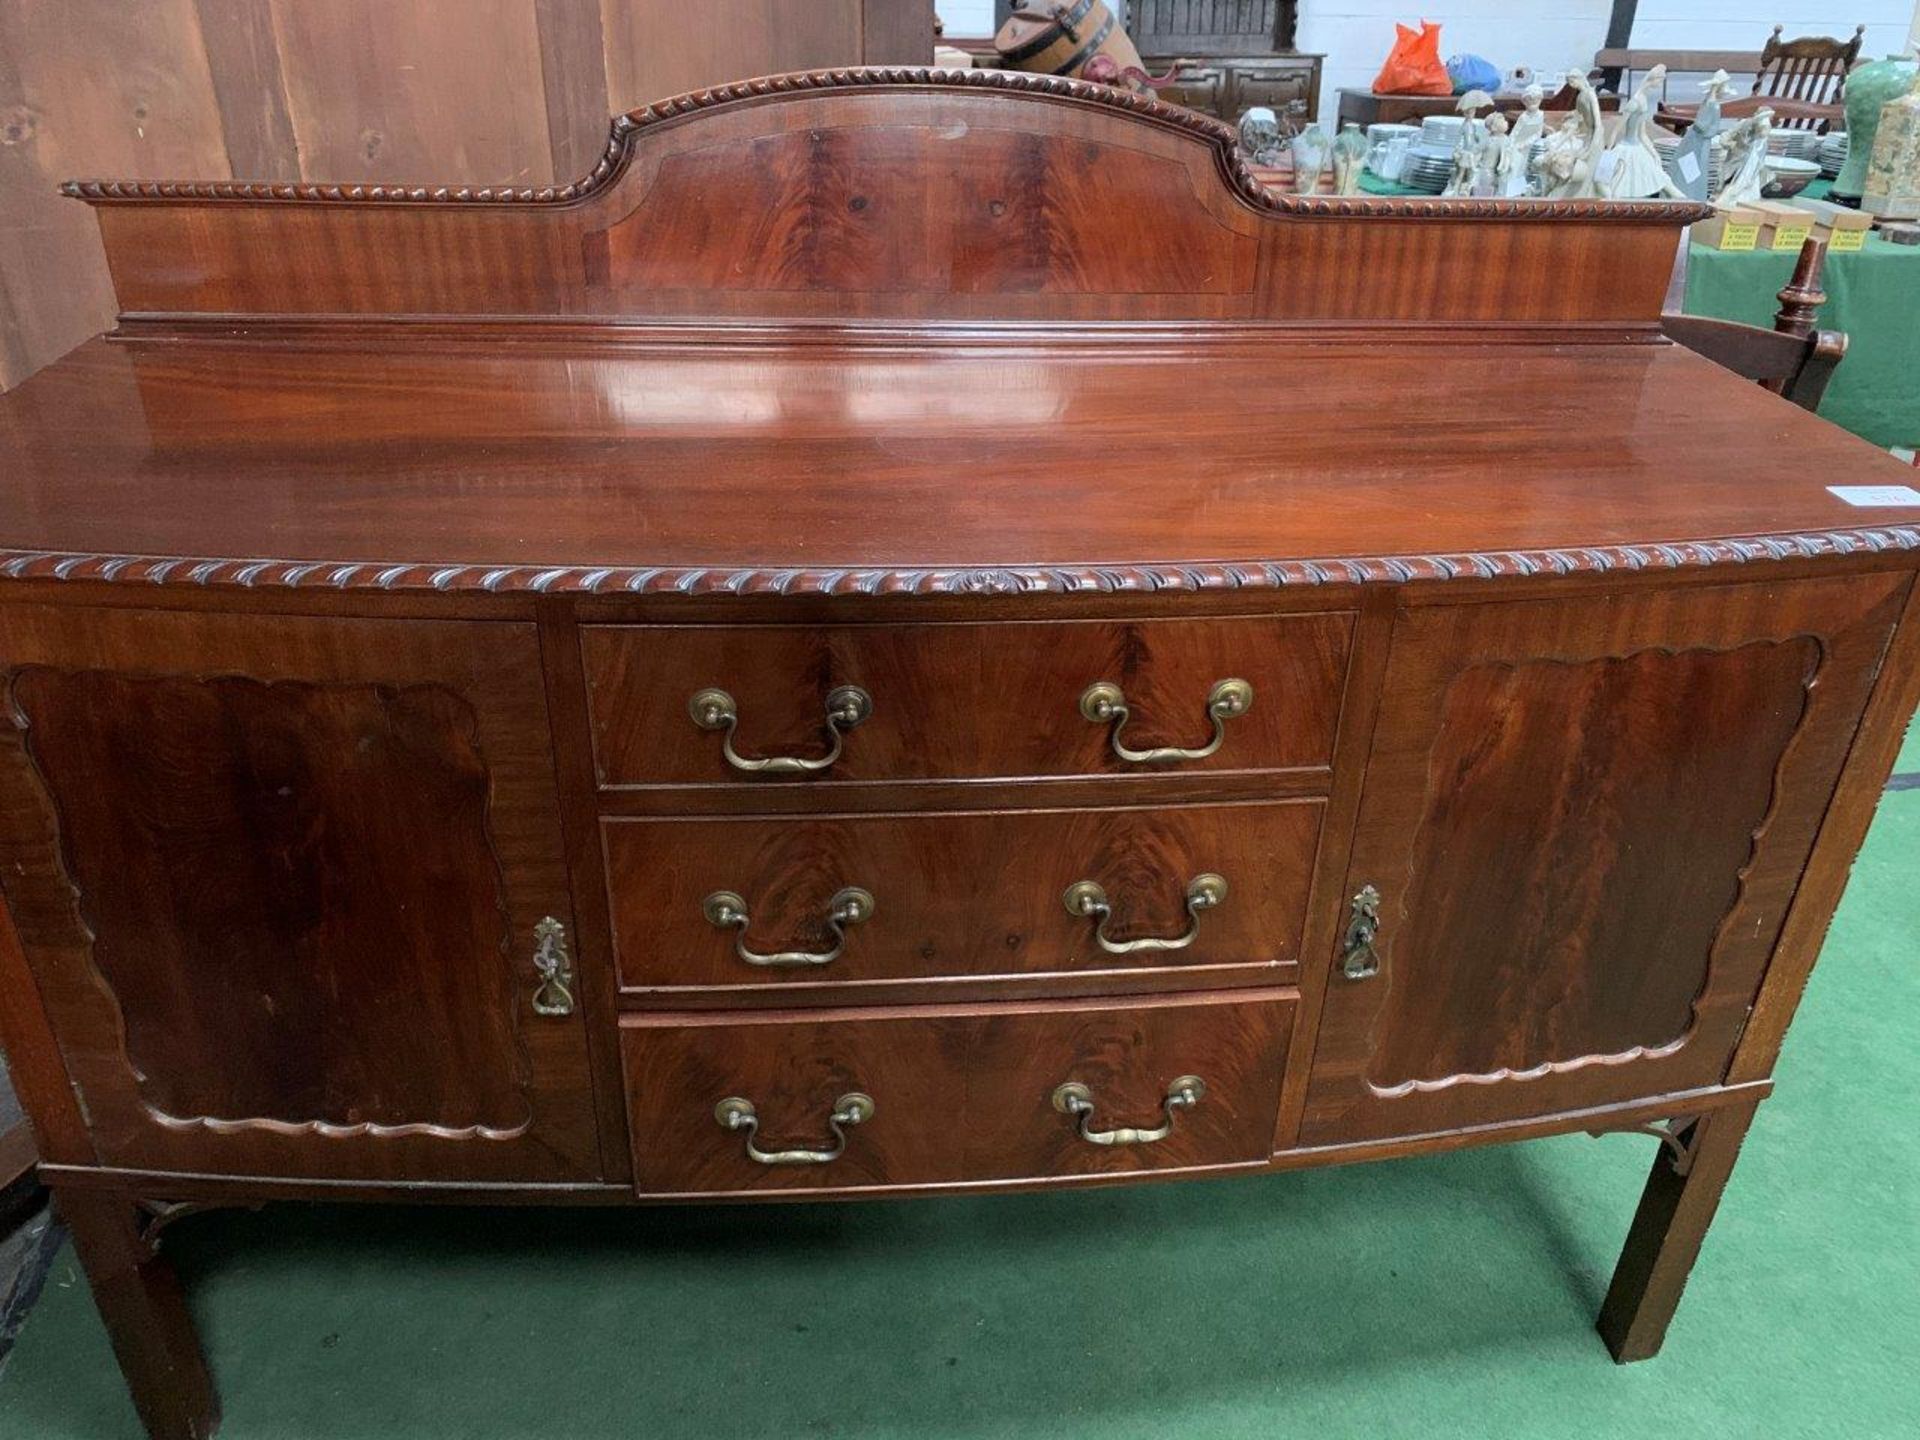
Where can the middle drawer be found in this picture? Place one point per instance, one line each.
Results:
(724, 903)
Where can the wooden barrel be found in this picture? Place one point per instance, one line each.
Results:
(1060, 39)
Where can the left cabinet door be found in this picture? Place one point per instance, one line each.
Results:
(282, 882)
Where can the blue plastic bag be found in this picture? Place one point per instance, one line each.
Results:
(1470, 72)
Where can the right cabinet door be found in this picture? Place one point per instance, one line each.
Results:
(1584, 820)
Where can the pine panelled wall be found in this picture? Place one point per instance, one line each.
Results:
(512, 92)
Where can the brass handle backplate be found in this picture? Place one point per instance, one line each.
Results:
(847, 707)
(1085, 898)
(554, 996)
(1076, 1100)
(726, 909)
(1104, 703)
(1359, 959)
(853, 1108)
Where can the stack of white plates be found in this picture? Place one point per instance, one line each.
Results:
(1380, 134)
(1832, 153)
(1428, 168)
(1794, 144)
(1441, 130)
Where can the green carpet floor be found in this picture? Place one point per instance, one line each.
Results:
(1450, 1296)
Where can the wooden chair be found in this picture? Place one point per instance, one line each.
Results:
(1794, 358)
(1811, 71)
(1800, 80)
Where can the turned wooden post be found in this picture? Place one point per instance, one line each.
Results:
(1802, 298)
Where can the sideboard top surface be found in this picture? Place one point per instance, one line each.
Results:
(781, 465)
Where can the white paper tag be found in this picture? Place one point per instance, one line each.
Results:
(1876, 494)
(1689, 168)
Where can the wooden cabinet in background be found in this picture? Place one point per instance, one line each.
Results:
(1228, 57)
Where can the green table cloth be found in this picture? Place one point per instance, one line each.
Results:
(1872, 294)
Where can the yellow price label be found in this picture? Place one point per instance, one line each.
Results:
(1739, 237)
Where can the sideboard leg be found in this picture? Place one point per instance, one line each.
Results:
(1672, 1220)
(145, 1314)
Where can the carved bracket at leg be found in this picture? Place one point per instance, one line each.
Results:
(154, 1216)
(1678, 1137)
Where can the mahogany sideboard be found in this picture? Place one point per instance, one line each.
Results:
(912, 632)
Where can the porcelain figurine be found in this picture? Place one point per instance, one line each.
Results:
(1893, 170)
(1349, 159)
(1310, 150)
(1498, 159)
(1634, 170)
(1571, 164)
(1528, 127)
(1693, 161)
(1469, 151)
(1747, 160)
(1714, 89)
(1260, 136)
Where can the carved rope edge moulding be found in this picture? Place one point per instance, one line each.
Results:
(961, 580)
(1234, 167)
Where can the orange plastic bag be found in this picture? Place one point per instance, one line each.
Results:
(1414, 67)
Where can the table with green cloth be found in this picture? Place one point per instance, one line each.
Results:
(1873, 295)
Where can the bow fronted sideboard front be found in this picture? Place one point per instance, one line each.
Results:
(913, 632)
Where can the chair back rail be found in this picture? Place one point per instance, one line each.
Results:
(1794, 359)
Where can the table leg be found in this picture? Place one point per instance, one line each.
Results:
(145, 1314)
(1681, 1195)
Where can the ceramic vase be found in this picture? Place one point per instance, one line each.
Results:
(1893, 170)
(1349, 158)
(1311, 149)
(1869, 89)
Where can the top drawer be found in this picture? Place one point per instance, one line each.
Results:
(936, 702)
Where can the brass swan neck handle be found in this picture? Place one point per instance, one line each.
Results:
(1104, 703)
(1086, 898)
(1076, 1100)
(737, 1114)
(849, 906)
(847, 706)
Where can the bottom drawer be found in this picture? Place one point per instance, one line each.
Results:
(853, 1099)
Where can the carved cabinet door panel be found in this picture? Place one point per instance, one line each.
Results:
(283, 883)
(1584, 820)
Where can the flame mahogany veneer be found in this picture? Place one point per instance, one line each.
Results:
(380, 602)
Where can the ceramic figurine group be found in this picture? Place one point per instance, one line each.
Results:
(1492, 157)
(1574, 161)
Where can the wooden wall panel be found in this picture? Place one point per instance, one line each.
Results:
(93, 86)
(243, 53)
(438, 91)
(422, 92)
(573, 70)
(654, 49)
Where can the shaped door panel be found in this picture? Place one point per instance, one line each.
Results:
(1585, 820)
(279, 881)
